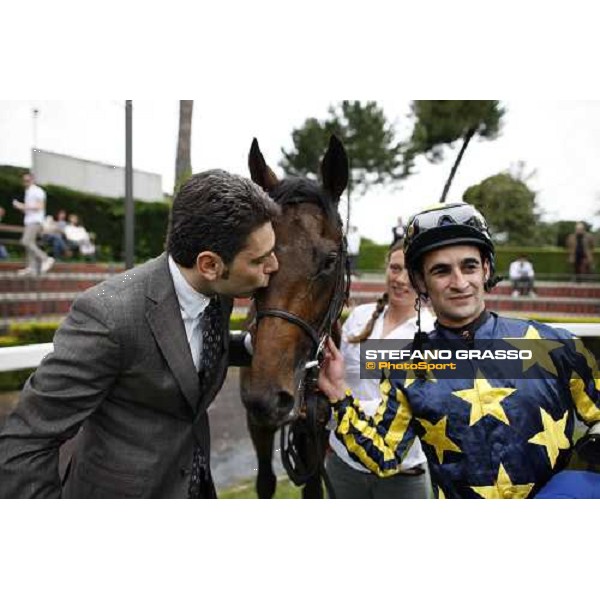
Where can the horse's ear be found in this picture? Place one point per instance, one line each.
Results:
(334, 168)
(260, 172)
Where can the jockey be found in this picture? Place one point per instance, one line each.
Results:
(486, 433)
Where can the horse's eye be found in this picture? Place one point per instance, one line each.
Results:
(330, 261)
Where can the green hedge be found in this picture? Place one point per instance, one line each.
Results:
(33, 333)
(545, 260)
(372, 256)
(13, 381)
(103, 216)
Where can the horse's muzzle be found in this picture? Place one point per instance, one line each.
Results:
(273, 409)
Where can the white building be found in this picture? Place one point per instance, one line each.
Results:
(93, 177)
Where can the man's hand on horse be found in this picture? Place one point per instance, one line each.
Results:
(331, 376)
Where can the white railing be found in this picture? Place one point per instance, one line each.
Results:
(23, 357)
(30, 356)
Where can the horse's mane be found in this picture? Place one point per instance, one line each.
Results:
(294, 190)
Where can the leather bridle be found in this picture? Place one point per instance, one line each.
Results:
(318, 335)
(291, 456)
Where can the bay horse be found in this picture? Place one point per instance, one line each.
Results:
(292, 318)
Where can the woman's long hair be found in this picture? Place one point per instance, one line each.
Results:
(382, 301)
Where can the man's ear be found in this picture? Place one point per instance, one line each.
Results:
(419, 285)
(486, 270)
(209, 265)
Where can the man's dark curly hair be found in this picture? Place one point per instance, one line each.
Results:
(216, 211)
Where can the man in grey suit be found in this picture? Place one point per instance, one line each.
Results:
(127, 371)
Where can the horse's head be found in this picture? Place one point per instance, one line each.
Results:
(306, 295)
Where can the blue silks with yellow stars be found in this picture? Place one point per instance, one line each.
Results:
(486, 436)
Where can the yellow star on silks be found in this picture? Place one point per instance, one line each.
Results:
(485, 400)
(435, 435)
(590, 360)
(541, 350)
(552, 436)
(504, 488)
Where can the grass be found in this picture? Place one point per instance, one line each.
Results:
(245, 491)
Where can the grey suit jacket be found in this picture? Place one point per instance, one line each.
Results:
(121, 375)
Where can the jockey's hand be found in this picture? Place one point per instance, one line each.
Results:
(331, 376)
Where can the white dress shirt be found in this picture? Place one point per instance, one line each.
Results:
(192, 305)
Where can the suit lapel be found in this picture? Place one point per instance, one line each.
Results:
(164, 318)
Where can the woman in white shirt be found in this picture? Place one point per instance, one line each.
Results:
(392, 317)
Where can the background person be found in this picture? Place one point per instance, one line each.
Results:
(580, 246)
(78, 238)
(34, 210)
(392, 317)
(522, 276)
(53, 236)
(398, 231)
(353, 248)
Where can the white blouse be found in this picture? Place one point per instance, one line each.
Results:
(366, 391)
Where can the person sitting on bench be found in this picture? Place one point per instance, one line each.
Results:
(522, 276)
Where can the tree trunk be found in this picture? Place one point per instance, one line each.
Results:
(183, 160)
(466, 141)
(348, 195)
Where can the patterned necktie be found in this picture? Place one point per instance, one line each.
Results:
(211, 342)
(200, 485)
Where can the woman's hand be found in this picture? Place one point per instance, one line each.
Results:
(331, 376)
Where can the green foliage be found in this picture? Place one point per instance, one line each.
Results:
(547, 262)
(374, 156)
(14, 172)
(508, 205)
(10, 187)
(6, 341)
(443, 122)
(11, 381)
(565, 228)
(545, 234)
(372, 256)
(103, 216)
(544, 260)
(33, 332)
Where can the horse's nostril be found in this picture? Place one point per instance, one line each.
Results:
(285, 402)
